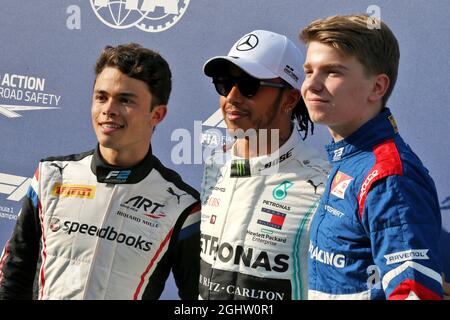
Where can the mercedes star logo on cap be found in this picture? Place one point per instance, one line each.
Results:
(248, 42)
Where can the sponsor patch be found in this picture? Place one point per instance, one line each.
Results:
(407, 255)
(338, 154)
(340, 184)
(73, 191)
(272, 219)
(393, 123)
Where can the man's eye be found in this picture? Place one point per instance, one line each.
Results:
(333, 72)
(126, 101)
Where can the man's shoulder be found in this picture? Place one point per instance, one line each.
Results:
(71, 157)
(309, 157)
(174, 177)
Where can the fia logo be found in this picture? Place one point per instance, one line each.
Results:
(146, 15)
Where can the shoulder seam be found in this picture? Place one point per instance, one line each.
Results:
(175, 178)
(71, 157)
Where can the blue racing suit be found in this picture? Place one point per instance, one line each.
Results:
(376, 231)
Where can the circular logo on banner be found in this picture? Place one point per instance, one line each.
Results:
(147, 15)
(248, 42)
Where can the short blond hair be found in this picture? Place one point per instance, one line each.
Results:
(367, 39)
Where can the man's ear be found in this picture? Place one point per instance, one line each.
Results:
(380, 86)
(158, 114)
(291, 100)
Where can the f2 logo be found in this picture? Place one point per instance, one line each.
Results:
(119, 175)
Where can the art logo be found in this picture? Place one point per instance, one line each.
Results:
(146, 15)
(139, 202)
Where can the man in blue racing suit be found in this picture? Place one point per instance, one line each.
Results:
(376, 233)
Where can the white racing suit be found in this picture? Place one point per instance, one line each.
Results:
(92, 231)
(255, 223)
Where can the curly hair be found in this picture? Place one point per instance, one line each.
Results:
(139, 63)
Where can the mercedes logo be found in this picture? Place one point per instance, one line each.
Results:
(248, 42)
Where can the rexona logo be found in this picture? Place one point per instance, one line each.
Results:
(146, 15)
(139, 202)
(73, 191)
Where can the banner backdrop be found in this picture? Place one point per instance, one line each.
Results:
(48, 50)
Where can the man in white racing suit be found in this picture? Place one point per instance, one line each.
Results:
(259, 194)
(110, 223)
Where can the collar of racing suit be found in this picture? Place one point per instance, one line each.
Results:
(269, 164)
(120, 175)
(373, 132)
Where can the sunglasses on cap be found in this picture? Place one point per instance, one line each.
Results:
(248, 86)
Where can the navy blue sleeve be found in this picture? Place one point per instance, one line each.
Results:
(404, 222)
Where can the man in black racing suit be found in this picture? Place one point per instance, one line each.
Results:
(113, 222)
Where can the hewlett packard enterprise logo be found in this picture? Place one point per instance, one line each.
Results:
(146, 15)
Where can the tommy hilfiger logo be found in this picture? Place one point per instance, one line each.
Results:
(273, 219)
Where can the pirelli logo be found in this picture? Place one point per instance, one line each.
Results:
(73, 191)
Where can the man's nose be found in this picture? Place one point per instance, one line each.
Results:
(313, 82)
(111, 107)
(234, 96)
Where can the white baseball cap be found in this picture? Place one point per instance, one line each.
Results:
(263, 55)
